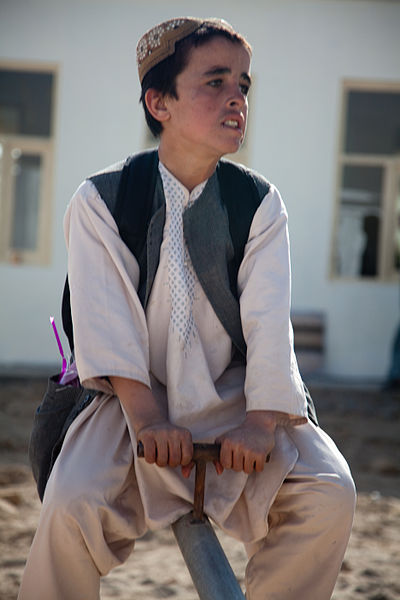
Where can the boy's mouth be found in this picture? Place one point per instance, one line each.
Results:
(235, 122)
(231, 123)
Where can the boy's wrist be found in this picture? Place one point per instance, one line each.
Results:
(268, 419)
(139, 404)
(272, 418)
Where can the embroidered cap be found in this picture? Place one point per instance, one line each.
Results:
(159, 42)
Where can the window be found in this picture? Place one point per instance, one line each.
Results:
(26, 115)
(367, 229)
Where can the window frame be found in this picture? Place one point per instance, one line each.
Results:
(27, 144)
(391, 178)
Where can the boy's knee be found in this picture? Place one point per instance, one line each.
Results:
(349, 495)
(340, 497)
(346, 489)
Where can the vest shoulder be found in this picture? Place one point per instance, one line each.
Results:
(118, 166)
(107, 180)
(107, 171)
(262, 184)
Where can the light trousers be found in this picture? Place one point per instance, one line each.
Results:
(91, 504)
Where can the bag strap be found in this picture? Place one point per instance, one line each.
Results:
(66, 316)
(138, 181)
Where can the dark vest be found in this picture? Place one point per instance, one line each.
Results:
(215, 227)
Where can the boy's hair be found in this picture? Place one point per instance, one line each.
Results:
(162, 77)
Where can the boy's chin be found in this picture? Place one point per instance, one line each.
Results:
(232, 149)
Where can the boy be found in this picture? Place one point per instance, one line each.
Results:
(167, 370)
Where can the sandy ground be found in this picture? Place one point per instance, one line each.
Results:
(365, 425)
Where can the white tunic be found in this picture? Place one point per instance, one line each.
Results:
(194, 374)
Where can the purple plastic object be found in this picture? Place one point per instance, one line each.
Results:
(60, 348)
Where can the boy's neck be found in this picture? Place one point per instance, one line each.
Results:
(188, 169)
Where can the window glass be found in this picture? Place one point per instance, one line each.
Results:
(360, 219)
(372, 123)
(25, 102)
(26, 171)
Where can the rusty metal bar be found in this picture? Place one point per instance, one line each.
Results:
(199, 486)
(205, 452)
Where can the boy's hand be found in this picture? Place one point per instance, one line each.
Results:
(164, 443)
(167, 445)
(246, 447)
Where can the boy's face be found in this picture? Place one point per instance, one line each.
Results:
(209, 117)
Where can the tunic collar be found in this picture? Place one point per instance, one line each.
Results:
(169, 179)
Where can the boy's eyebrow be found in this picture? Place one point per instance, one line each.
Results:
(224, 71)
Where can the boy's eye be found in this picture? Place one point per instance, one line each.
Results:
(244, 87)
(215, 82)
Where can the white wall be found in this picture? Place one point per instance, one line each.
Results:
(302, 51)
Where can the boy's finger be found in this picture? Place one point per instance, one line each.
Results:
(218, 467)
(187, 469)
(187, 453)
(149, 450)
(174, 454)
(249, 464)
(162, 454)
(238, 461)
(226, 457)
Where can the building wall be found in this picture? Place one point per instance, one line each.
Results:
(302, 52)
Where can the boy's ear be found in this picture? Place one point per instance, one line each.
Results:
(155, 102)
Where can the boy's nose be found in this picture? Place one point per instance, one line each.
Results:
(236, 98)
